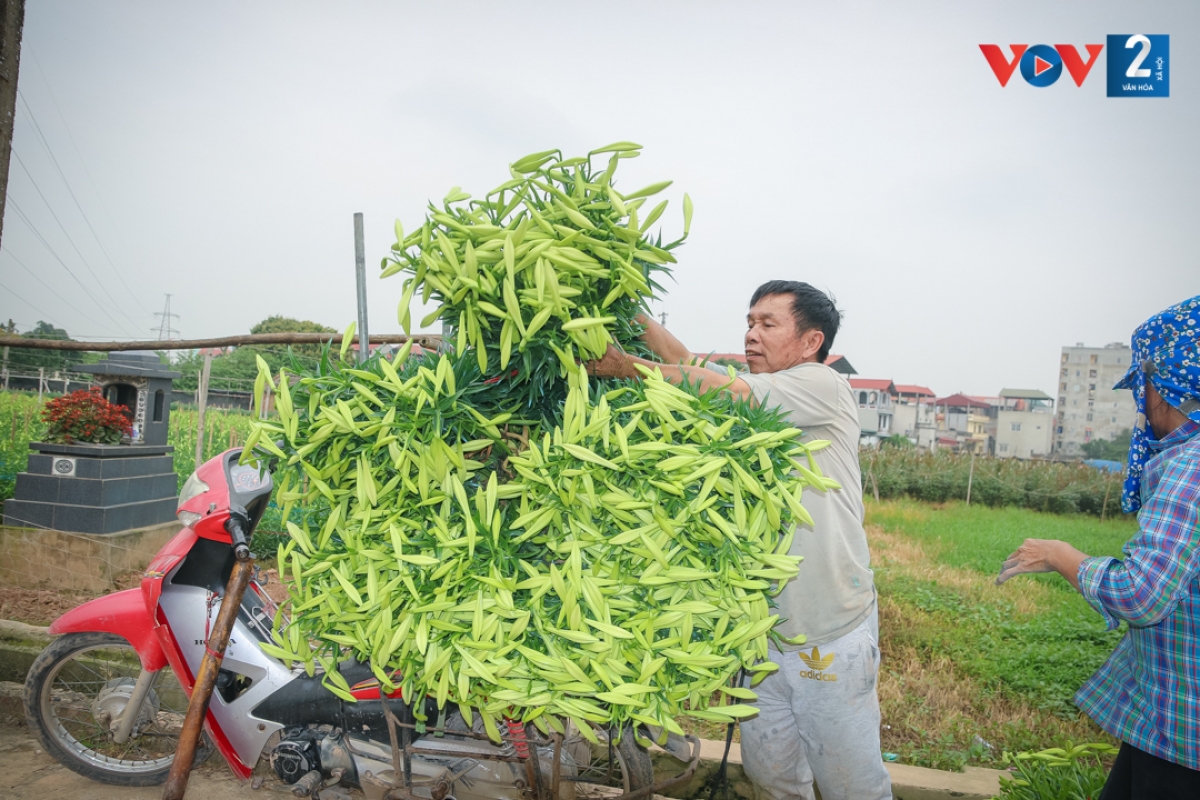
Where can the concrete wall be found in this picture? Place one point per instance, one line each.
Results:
(32, 558)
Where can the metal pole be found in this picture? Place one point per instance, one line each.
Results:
(206, 679)
(360, 272)
(202, 403)
(41, 381)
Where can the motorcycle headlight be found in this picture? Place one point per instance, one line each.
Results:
(188, 518)
(193, 487)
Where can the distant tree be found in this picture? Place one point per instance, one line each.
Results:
(1114, 449)
(44, 330)
(24, 360)
(278, 324)
(898, 441)
(237, 369)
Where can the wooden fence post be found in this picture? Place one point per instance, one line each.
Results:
(970, 477)
(202, 404)
(1107, 488)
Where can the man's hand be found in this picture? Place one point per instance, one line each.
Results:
(613, 364)
(616, 364)
(1043, 555)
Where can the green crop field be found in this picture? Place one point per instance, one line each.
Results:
(20, 424)
(970, 668)
(223, 429)
(941, 476)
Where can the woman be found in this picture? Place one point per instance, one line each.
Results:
(1148, 692)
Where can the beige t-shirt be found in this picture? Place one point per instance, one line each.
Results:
(835, 590)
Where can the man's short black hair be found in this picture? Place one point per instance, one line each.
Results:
(811, 308)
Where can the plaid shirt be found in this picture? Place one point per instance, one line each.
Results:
(1148, 692)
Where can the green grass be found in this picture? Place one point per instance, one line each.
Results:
(980, 538)
(964, 658)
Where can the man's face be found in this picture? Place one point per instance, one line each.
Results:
(772, 341)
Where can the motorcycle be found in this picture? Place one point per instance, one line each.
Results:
(107, 698)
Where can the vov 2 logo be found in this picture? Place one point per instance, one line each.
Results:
(1041, 65)
(1138, 64)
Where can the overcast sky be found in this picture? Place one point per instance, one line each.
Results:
(218, 152)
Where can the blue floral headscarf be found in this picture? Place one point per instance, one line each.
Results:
(1164, 350)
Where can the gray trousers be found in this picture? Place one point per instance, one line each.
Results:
(819, 718)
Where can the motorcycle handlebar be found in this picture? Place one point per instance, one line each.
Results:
(236, 526)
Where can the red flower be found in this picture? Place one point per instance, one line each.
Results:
(85, 416)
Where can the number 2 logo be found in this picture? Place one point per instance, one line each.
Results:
(1135, 67)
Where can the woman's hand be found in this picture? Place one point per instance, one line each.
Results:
(1043, 555)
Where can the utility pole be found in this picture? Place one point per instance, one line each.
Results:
(12, 21)
(165, 332)
(360, 278)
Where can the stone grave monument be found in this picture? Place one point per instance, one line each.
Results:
(96, 488)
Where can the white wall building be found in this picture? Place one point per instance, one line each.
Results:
(1024, 424)
(1088, 407)
(914, 415)
(874, 409)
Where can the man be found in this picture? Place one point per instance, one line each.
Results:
(1148, 692)
(819, 713)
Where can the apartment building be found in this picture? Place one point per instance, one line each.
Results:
(1088, 407)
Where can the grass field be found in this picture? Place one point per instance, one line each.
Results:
(968, 664)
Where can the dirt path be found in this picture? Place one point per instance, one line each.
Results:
(27, 773)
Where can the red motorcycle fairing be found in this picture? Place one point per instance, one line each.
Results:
(125, 614)
(211, 507)
(122, 613)
(171, 554)
(187, 680)
(371, 689)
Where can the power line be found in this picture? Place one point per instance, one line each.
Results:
(95, 277)
(57, 296)
(46, 144)
(21, 214)
(26, 302)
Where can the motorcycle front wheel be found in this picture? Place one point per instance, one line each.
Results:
(76, 691)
